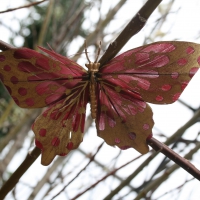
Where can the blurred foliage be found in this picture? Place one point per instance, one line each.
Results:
(62, 12)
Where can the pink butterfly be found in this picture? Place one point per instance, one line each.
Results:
(118, 92)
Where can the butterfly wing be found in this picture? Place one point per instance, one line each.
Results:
(156, 73)
(159, 72)
(60, 128)
(123, 118)
(35, 80)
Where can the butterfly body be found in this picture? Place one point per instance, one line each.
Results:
(118, 91)
(93, 68)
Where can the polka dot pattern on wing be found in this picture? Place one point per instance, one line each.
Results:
(38, 144)
(7, 68)
(42, 132)
(2, 58)
(176, 96)
(146, 126)
(184, 85)
(193, 71)
(29, 102)
(14, 80)
(45, 113)
(159, 98)
(16, 100)
(9, 90)
(190, 50)
(117, 140)
(62, 154)
(22, 91)
(149, 136)
(70, 146)
(132, 135)
(55, 142)
(182, 61)
(198, 60)
(166, 87)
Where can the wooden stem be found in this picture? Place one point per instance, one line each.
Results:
(12, 181)
(133, 27)
(182, 162)
(4, 46)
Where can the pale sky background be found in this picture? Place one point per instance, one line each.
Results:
(168, 118)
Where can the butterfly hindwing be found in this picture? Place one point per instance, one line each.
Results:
(60, 128)
(123, 118)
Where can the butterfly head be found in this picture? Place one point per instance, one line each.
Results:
(93, 66)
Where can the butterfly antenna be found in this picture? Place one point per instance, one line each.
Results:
(98, 53)
(86, 52)
(50, 47)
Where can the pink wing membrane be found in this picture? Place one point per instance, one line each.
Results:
(35, 80)
(159, 72)
(156, 73)
(123, 118)
(69, 117)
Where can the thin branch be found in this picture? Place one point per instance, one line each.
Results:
(12, 181)
(169, 141)
(182, 162)
(130, 177)
(12, 134)
(7, 111)
(67, 26)
(176, 188)
(104, 167)
(20, 7)
(106, 176)
(4, 46)
(101, 25)
(182, 129)
(44, 27)
(133, 27)
(91, 160)
(156, 182)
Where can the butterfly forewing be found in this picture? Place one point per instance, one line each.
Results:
(35, 80)
(159, 72)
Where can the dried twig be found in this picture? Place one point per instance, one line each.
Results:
(12, 181)
(182, 162)
(25, 6)
(101, 25)
(106, 176)
(133, 27)
(44, 27)
(4, 46)
(130, 177)
(156, 182)
(91, 159)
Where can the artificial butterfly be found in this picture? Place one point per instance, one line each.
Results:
(118, 92)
